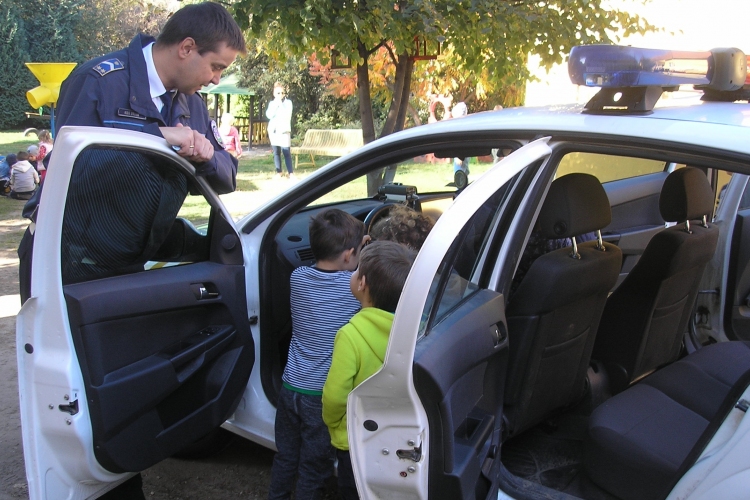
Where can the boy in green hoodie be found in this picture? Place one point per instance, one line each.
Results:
(359, 348)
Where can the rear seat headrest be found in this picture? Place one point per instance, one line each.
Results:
(686, 195)
(576, 204)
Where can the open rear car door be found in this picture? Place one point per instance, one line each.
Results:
(429, 423)
(135, 341)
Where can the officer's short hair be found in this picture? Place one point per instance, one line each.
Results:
(208, 23)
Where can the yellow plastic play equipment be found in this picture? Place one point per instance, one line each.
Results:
(51, 76)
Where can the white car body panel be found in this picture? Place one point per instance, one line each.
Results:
(58, 447)
(388, 397)
(255, 416)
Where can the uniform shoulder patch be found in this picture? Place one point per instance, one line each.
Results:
(108, 66)
(217, 135)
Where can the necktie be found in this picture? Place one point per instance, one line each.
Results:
(166, 110)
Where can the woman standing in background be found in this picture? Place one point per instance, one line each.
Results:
(279, 114)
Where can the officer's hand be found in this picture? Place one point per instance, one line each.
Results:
(192, 145)
(203, 150)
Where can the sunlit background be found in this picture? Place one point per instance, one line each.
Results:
(687, 25)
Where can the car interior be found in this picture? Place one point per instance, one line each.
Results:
(566, 376)
(572, 388)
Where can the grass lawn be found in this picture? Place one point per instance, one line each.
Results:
(256, 184)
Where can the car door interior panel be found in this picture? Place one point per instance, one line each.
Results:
(737, 322)
(156, 305)
(465, 395)
(635, 216)
(159, 360)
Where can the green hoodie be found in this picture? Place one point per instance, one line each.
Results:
(358, 352)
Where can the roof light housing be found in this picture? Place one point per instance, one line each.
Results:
(632, 79)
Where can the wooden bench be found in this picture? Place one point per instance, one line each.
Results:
(327, 142)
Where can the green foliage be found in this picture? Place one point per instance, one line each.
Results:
(49, 29)
(15, 78)
(313, 108)
(109, 25)
(62, 31)
(489, 39)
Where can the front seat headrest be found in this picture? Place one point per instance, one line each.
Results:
(576, 204)
(686, 195)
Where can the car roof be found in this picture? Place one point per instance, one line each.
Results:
(714, 125)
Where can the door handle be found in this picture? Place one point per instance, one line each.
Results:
(204, 291)
(205, 294)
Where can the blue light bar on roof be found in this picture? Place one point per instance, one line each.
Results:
(616, 66)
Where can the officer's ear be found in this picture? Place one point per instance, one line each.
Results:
(187, 46)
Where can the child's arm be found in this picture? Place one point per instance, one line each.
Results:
(340, 381)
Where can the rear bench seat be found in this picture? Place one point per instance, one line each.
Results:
(639, 440)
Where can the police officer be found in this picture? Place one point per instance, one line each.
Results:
(151, 86)
(131, 88)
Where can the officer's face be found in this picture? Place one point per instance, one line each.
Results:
(202, 69)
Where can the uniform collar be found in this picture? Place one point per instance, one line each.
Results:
(140, 92)
(154, 82)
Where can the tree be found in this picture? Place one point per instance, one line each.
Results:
(15, 78)
(109, 25)
(313, 107)
(63, 31)
(492, 37)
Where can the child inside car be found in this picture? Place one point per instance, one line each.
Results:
(360, 345)
(321, 303)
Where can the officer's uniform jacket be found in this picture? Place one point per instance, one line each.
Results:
(113, 91)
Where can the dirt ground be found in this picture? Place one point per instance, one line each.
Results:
(241, 470)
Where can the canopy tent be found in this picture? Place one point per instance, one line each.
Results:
(228, 86)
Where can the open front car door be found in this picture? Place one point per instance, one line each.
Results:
(135, 341)
(428, 424)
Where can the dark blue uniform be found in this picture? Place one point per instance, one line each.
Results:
(113, 91)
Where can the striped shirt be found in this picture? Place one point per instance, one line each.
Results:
(321, 303)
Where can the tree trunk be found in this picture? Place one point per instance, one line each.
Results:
(391, 121)
(396, 118)
(374, 179)
(405, 94)
(363, 90)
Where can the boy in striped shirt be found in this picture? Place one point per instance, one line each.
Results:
(321, 303)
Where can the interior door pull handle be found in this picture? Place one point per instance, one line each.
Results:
(204, 293)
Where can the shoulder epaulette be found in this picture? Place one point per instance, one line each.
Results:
(108, 66)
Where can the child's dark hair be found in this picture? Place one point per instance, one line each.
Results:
(334, 231)
(385, 265)
(403, 225)
(22, 156)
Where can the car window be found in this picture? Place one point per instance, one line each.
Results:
(121, 216)
(456, 278)
(608, 168)
(429, 174)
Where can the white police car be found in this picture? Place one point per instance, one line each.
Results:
(495, 385)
